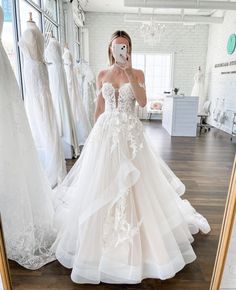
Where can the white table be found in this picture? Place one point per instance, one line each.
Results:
(180, 115)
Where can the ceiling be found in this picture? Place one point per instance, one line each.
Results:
(118, 7)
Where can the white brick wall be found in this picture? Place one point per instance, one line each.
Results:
(188, 43)
(218, 85)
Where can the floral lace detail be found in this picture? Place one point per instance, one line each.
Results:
(124, 101)
(130, 127)
(32, 247)
(122, 119)
(116, 228)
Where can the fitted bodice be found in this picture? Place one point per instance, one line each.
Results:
(53, 52)
(32, 43)
(67, 58)
(1, 21)
(121, 99)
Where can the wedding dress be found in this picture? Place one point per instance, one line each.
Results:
(81, 120)
(198, 89)
(86, 83)
(39, 107)
(60, 96)
(119, 212)
(25, 195)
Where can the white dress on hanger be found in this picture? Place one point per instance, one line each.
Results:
(25, 194)
(81, 120)
(60, 96)
(198, 89)
(119, 211)
(39, 107)
(86, 81)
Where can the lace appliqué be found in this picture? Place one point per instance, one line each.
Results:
(130, 127)
(116, 227)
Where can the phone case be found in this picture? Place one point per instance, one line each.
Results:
(120, 49)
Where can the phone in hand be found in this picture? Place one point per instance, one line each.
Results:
(119, 50)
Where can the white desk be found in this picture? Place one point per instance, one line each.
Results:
(180, 115)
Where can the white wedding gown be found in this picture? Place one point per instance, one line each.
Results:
(81, 120)
(198, 90)
(86, 83)
(39, 107)
(119, 211)
(60, 96)
(25, 195)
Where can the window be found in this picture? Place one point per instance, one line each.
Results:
(158, 72)
(45, 15)
(8, 39)
(77, 43)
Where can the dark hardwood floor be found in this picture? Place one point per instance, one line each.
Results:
(204, 164)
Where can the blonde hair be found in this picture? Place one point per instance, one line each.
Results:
(118, 33)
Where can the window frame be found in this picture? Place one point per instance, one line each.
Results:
(172, 59)
(17, 30)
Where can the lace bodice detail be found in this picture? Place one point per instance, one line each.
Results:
(53, 53)
(32, 43)
(121, 99)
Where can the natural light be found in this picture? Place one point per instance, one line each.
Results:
(158, 72)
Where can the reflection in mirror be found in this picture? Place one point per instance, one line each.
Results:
(229, 275)
(5, 281)
(224, 272)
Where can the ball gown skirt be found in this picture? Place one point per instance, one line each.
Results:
(119, 212)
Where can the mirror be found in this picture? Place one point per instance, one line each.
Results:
(5, 280)
(224, 274)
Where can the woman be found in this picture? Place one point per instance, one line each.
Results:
(123, 219)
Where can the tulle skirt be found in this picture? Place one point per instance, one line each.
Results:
(119, 212)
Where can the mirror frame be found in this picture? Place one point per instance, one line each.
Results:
(226, 231)
(4, 266)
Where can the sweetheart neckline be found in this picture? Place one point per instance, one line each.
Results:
(124, 84)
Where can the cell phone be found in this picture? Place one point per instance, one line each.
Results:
(119, 50)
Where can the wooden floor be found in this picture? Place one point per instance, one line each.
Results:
(204, 164)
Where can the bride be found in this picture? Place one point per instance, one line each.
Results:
(119, 211)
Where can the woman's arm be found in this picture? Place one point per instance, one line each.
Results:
(100, 103)
(135, 79)
(139, 92)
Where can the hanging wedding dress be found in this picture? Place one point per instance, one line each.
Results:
(198, 89)
(25, 195)
(39, 107)
(60, 96)
(81, 120)
(86, 83)
(119, 212)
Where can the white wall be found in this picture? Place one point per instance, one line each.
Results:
(189, 43)
(218, 85)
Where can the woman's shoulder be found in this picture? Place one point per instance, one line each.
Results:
(101, 74)
(139, 74)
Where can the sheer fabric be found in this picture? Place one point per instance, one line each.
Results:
(81, 120)
(60, 96)
(119, 212)
(25, 195)
(39, 107)
(86, 83)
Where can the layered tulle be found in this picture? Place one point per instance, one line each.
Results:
(119, 214)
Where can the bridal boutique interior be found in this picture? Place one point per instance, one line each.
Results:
(51, 52)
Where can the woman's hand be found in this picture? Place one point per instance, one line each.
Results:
(127, 65)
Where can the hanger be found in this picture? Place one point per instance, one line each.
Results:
(30, 18)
